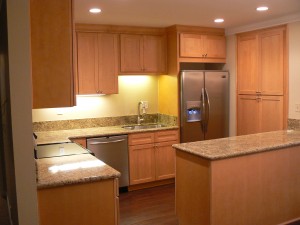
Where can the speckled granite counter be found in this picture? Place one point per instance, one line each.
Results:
(47, 137)
(59, 171)
(241, 145)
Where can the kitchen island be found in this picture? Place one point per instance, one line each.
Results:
(251, 179)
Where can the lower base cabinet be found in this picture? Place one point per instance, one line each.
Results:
(94, 203)
(151, 156)
(258, 114)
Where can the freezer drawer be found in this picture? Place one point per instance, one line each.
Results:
(113, 150)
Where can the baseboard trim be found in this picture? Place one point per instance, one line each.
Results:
(151, 184)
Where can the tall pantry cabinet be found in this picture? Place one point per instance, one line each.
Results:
(261, 81)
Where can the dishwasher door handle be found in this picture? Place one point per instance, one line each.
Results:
(105, 142)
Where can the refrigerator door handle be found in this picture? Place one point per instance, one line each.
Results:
(208, 107)
(203, 110)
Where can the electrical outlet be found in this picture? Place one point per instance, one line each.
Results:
(146, 104)
(297, 108)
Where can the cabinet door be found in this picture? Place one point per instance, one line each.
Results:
(191, 45)
(52, 53)
(271, 113)
(247, 114)
(108, 59)
(214, 46)
(247, 64)
(154, 54)
(141, 164)
(271, 62)
(97, 63)
(131, 53)
(164, 160)
(87, 63)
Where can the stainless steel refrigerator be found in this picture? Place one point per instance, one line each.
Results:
(204, 105)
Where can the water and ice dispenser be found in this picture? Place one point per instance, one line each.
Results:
(193, 111)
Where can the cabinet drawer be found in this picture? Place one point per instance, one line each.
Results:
(142, 138)
(168, 135)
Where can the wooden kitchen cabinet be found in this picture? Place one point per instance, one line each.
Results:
(260, 114)
(93, 203)
(261, 81)
(51, 27)
(80, 141)
(202, 46)
(260, 62)
(97, 63)
(143, 54)
(151, 156)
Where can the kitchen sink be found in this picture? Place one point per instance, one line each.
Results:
(143, 126)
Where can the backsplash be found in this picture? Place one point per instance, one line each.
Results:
(102, 122)
(294, 124)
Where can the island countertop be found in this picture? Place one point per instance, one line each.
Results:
(59, 171)
(241, 145)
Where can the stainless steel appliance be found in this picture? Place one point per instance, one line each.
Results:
(204, 105)
(113, 150)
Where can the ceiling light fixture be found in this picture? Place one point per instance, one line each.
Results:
(219, 20)
(95, 10)
(262, 8)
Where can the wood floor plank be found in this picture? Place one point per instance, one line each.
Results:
(152, 206)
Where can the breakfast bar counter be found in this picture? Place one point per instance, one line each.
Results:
(250, 179)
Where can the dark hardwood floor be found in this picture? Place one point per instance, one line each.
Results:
(152, 206)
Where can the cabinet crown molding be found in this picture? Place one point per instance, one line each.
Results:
(119, 29)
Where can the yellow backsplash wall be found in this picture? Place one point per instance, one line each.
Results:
(168, 95)
(132, 89)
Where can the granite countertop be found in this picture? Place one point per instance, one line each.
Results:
(59, 136)
(241, 145)
(59, 171)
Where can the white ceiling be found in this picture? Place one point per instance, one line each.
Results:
(163, 13)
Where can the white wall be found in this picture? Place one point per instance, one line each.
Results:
(20, 87)
(231, 66)
(132, 89)
(294, 68)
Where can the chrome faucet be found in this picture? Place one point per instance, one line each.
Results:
(140, 116)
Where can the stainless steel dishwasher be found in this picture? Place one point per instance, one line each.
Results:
(113, 150)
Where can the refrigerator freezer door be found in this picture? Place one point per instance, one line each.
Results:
(192, 82)
(217, 93)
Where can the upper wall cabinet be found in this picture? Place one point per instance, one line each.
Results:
(143, 54)
(202, 46)
(193, 44)
(97, 63)
(260, 62)
(51, 53)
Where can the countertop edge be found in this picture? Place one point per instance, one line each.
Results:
(250, 151)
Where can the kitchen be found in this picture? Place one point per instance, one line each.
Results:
(22, 106)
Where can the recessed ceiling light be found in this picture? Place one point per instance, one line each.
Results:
(219, 20)
(95, 10)
(262, 8)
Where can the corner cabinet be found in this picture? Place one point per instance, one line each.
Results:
(51, 27)
(143, 54)
(202, 46)
(92, 203)
(151, 156)
(261, 81)
(97, 63)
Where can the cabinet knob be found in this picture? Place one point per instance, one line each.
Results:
(206, 55)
